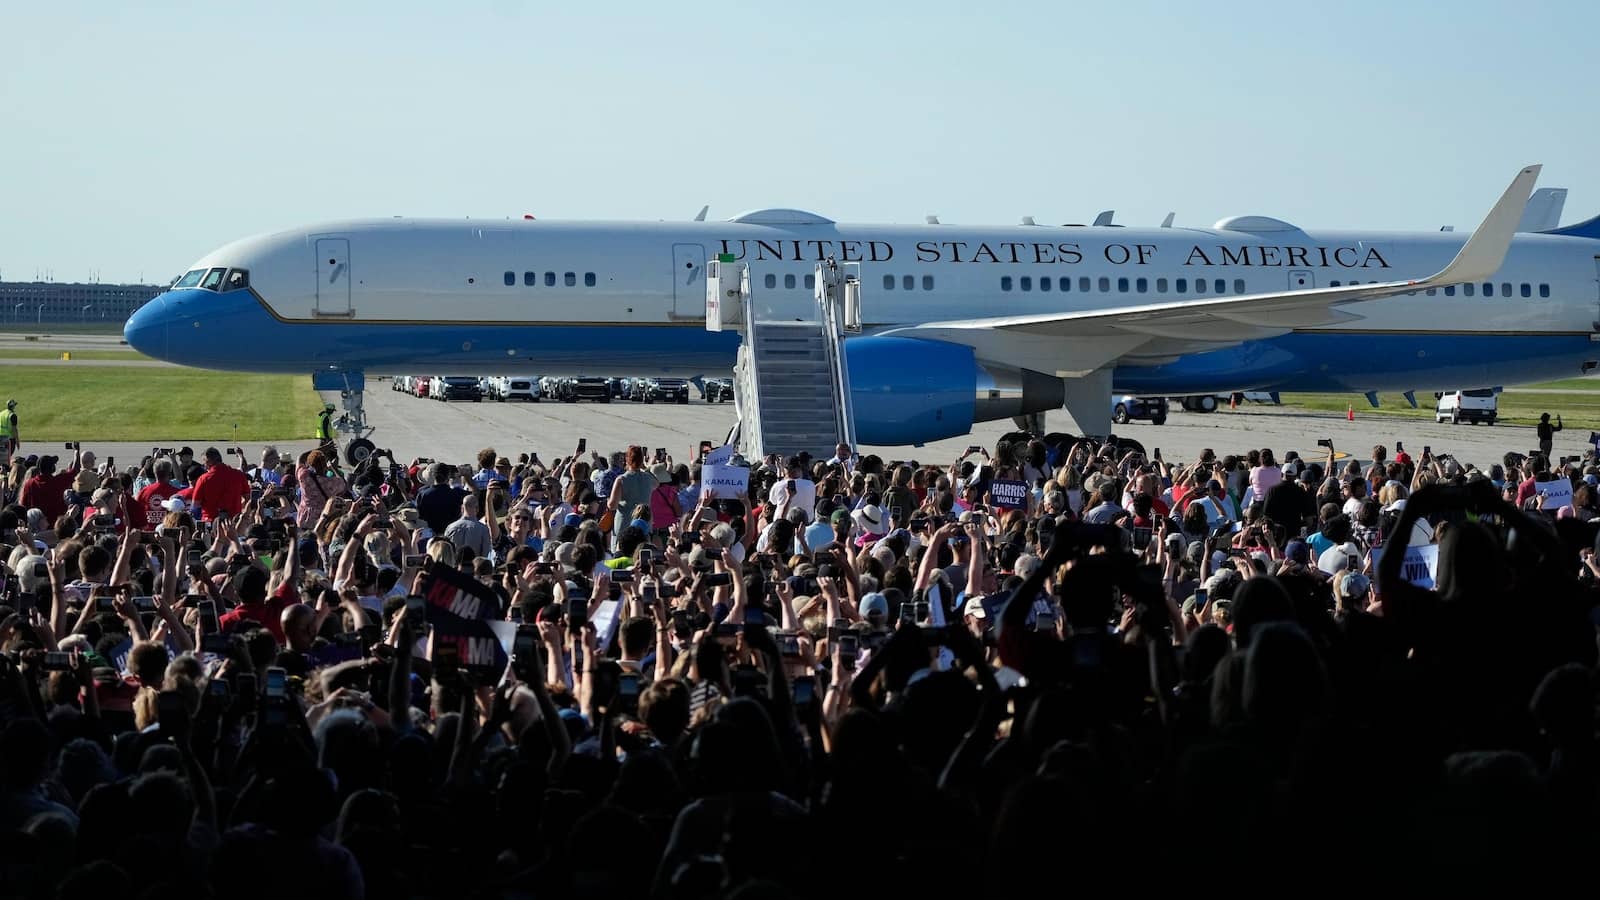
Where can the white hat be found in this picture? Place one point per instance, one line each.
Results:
(175, 504)
(870, 518)
(974, 608)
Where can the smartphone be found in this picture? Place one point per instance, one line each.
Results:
(217, 688)
(649, 592)
(714, 555)
(1325, 442)
(25, 603)
(898, 513)
(244, 684)
(1427, 450)
(661, 454)
(144, 604)
(68, 446)
(525, 646)
(908, 613)
(647, 555)
(446, 657)
(726, 632)
(577, 613)
(277, 684)
(849, 648)
(974, 448)
(103, 522)
(718, 579)
(1141, 538)
(628, 690)
(1156, 454)
(255, 495)
(621, 576)
(41, 570)
(583, 444)
(416, 610)
(755, 616)
(196, 557)
(208, 616)
(103, 605)
(172, 714)
(1201, 597)
(789, 644)
(1045, 621)
(805, 690)
(57, 661)
(543, 568)
(1399, 447)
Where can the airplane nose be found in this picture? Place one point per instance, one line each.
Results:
(146, 330)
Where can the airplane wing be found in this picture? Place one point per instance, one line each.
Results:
(1157, 332)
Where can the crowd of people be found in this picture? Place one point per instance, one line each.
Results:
(1043, 665)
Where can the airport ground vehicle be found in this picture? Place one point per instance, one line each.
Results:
(719, 389)
(585, 388)
(1128, 407)
(514, 387)
(1474, 406)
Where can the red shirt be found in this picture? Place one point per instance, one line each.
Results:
(151, 501)
(221, 491)
(44, 492)
(268, 614)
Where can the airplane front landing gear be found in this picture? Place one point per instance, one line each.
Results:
(352, 424)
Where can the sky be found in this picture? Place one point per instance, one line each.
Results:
(136, 138)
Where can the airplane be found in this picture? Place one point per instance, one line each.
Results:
(956, 318)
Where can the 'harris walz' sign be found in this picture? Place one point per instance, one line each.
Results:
(1069, 253)
(461, 610)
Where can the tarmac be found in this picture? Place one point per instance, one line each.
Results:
(454, 432)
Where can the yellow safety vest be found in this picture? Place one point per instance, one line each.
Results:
(324, 426)
(6, 429)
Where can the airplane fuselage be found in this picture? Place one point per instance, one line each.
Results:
(620, 298)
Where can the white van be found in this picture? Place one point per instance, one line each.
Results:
(1455, 407)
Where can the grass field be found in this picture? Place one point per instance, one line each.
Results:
(40, 353)
(123, 404)
(1578, 411)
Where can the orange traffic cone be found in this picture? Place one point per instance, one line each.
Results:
(1349, 412)
(1233, 400)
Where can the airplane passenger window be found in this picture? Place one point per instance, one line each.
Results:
(888, 282)
(1044, 283)
(1027, 283)
(908, 282)
(1083, 285)
(1466, 290)
(1122, 285)
(788, 282)
(1161, 285)
(1182, 285)
(1105, 285)
(1199, 285)
(811, 282)
(190, 279)
(1505, 289)
(1221, 287)
(238, 280)
(927, 282)
(549, 279)
(1238, 285)
(771, 280)
(1005, 282)
(1064, 283)
(213, 278)
(1527, 289)
(1432, 291)
(529, 279)
(1450, 290)
(1544, 290)
(511, 279)
(1488, 289)
(1334, 283)
(588, 279)
(1142, 285)
(571, 279)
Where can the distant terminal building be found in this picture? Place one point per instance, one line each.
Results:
(53, 302)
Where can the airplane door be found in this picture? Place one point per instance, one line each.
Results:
(333, 277)
(688, 285)
(1301, 280)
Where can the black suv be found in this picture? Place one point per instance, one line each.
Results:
(719, 389)
(664, 390)
(588, 388)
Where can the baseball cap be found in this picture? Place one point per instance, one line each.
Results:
(1298, 551)
(875, 604)
(640, 524)
(572, 519)
(1352, 584)
(974, 608)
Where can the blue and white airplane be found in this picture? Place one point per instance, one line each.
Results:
(1250, 303)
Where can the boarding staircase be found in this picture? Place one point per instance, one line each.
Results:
(791, 380)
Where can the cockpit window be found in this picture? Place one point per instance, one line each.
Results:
(213, 279)
(238, 280)
(190, 279)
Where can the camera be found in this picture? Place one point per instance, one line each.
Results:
(1325, 442)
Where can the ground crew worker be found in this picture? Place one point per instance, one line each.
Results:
(1547, 433)
(325, 425)
(8, 431)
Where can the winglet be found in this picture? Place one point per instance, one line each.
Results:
(701, 215)
(1486, 249)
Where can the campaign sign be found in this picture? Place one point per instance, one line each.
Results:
(1556, 494)
(464, 611)
(719, 456)
(1421, 565)
(725, 482)
(1009, 494)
